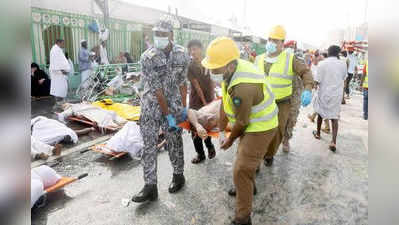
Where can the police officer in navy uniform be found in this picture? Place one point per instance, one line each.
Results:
(164, 68)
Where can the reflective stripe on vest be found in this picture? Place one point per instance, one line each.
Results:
(261, 106)
(280, 76)
(366, 79)
(263, 116)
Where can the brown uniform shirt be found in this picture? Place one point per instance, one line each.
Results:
(249, 95)
(198, 72)
(300, 69)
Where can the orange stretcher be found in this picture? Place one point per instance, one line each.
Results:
(63, 182)
(91, 123)
(187, 126)
(102, 148)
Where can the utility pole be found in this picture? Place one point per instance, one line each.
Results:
(104, 6)
(106, 13)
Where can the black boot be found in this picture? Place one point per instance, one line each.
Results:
(239, 223)
(210, 147)
(149, 192)
(177, 183)
(232, 191)
(268, 162)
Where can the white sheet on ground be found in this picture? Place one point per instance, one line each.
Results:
(46, 175)
(128, 139)
(42, 177)
(51, 131)
(36, 190)
(103, 118)
(37, 147)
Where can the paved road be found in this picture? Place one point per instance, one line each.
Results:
(309, 185)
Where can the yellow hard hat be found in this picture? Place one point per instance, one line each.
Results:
(107, 101)
(277, 32)
(220, 52)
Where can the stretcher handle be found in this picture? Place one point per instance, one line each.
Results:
(82, 176)
(83, 151)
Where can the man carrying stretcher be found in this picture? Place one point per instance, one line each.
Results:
(201, 94)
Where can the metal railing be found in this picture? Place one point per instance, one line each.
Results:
(103, 77)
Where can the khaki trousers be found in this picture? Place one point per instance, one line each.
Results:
(251, 150)
(283, 114)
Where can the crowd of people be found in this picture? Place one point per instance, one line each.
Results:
(258, 102)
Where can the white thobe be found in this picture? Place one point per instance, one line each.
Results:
(59, 81)
(331, 74)
(103, 55)
(352, 63)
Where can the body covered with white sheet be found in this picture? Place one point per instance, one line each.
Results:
(51, 131)
(37, 147)
(128, 139)
(42, 177)
(103, 118)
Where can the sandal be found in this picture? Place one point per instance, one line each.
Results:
(325, 130)
(311, 118)
(332, 147)
(315, 135)
(198, 159)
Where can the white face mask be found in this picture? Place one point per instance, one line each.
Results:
(217, 78)
(161, 42)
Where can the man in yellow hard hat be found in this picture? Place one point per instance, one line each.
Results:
(280, 67)
(247, 103)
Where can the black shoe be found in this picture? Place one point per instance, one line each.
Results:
(198, 159)
(177, 183)
(211, 152)
(232, 191)
(268, 162)
(149, 192)
(237, 223)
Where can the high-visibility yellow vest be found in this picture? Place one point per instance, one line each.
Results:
(263, 116)
(280, 75)
(366, 79)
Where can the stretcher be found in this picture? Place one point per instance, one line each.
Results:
(63, 182)
(102, 148)
(92, 123)
(187, 126)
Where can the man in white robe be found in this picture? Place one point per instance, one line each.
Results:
(330, 78)
(59, 69)
(103, 53)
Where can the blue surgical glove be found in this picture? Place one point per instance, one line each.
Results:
(306, 98)
(184, 114)
(171, 121)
